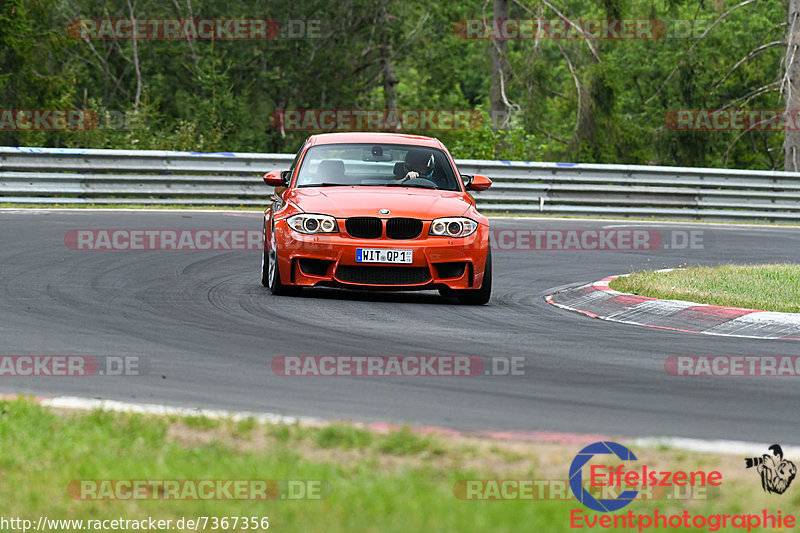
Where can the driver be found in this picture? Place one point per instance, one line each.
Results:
(418, 164)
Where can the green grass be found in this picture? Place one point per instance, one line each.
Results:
(42, 452)
(766, 287)
(404, 442)
(341, 436)
(377, 482)
(201, 422)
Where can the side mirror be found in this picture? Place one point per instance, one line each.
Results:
(476, 182)
(277, 178)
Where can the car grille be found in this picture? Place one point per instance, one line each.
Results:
(383, 275)
(403, 228)
(364, 227)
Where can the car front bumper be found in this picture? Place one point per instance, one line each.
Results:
(330, 260)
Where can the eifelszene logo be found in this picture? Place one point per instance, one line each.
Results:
(576, 477)
(776, 472)
(618, 479)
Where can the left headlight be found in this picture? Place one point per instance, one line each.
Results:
(311, 223)
(453, 227)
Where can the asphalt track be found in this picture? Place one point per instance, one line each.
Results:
(208, 331)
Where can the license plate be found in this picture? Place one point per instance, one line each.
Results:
(372, 255)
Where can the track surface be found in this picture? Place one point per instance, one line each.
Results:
(209, 330)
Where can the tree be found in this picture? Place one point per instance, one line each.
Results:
(791, 87)
(500, 70)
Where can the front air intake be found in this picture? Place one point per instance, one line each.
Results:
(383, 275)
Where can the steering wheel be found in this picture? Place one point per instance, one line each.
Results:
(423, 181)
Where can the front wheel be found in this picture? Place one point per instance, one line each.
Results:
(270, 274)
(482, 295)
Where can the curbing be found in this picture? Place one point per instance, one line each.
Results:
(598, 300)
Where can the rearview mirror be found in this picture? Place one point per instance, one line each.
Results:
(476, 182)
(277, 178)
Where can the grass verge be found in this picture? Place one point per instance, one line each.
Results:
(379, 482)
(773, 287)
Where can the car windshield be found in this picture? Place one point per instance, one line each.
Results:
(390, 165)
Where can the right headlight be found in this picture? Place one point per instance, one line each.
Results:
(311, 224)
(453, 227)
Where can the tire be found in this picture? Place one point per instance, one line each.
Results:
(270, 273)
(264, 260)
(482, 295)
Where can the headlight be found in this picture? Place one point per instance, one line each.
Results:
(453, 227)
(311, 224)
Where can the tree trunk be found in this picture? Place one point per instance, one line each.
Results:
(390, 80)
(500, 70)
(137, 98)
(792, 88)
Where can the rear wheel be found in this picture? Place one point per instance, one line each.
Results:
(270, 273)
(482, 295)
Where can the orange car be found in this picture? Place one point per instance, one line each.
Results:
(376, 211)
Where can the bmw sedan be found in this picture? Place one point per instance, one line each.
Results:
(376, 211)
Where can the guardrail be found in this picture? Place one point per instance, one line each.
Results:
(90, 176)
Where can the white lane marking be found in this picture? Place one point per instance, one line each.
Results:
(772, 324)
(649, 312)
(732, 447)
(89, 404)
(720, 225)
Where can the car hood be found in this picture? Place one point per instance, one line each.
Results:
(345, 201)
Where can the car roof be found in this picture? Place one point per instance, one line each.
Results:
(372, 137)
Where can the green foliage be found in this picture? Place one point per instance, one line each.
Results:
(513, 144)
(571, 102)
